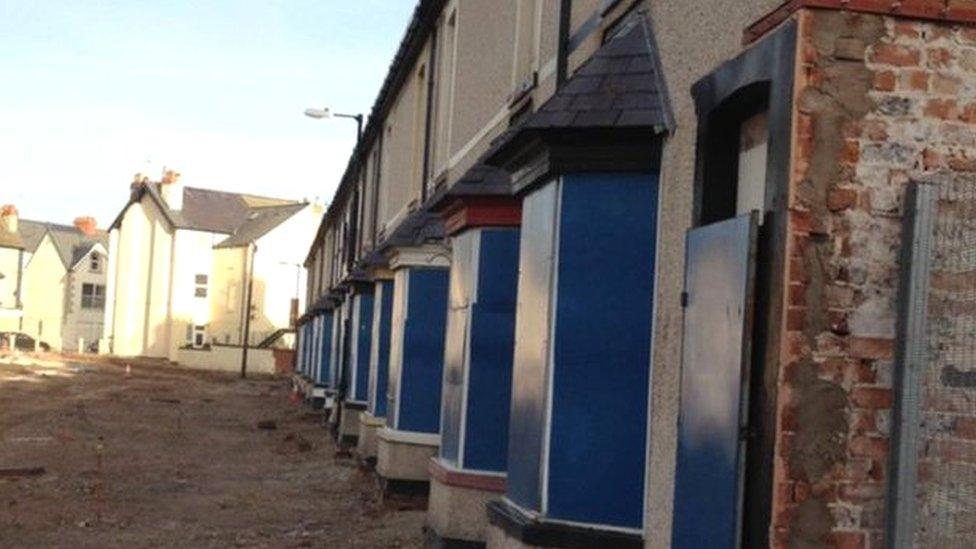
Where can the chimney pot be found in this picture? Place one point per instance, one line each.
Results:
(9, 218)
(87, 225)
(171, 189)
(170, 177)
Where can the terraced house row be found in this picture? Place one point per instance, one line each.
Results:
(617, 272)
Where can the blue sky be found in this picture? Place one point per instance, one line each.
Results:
(94, 91)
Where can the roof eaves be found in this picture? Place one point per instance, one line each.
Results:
(411, 45)
(91, 247)
(605, 94)
(145, 188)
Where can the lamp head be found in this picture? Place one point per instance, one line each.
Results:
(318, 114)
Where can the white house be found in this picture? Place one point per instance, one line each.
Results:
(11, 270)
(184, 262)
(64, 283)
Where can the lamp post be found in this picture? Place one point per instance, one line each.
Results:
(320, 114)
(247, 311)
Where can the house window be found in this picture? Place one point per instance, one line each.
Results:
(753, 152)
(92, 296)
(734, 152)
(200, 285)
(196, 336)
(528, 20)
(96, 263)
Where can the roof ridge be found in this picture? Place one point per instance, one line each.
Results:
(59, 226)
(274, 206)
(239, 194)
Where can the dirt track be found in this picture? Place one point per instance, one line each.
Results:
(171, 458)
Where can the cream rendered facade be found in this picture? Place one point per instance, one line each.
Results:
(10, 275)
(170, 288)
(137, 314)
(56, 312)
(152, 286)
(45, 282)
(279, 280)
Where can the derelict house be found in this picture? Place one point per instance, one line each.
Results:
(672, 274)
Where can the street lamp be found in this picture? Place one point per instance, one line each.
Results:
(320, 114)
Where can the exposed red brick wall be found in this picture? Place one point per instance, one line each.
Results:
(947, 11)
(879, 101)
(284, 361)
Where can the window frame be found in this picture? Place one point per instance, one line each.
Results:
(93, 296)
(201, 290)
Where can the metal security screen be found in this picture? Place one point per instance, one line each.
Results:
(933, 485)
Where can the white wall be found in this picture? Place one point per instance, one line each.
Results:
(227, 359)
(10, 268)
(278, 275)
(43, 295)
(141, 272)
(193, 255)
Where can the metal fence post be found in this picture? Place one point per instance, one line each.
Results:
(910, 360)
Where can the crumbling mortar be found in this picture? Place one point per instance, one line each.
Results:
(840, 98)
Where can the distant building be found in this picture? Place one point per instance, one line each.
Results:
(11, 269)
(63, 290)
(181, 268)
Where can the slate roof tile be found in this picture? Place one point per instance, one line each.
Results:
(633, 117)
(619, 86)
(241, 216)
(71, 244)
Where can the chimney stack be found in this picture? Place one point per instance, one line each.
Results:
(9, 218)
(87, 225)
(138, 181)
(171, 189)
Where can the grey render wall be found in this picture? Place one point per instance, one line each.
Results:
(693, 37)
(80, 322)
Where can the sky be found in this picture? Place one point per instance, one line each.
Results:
(95, 91)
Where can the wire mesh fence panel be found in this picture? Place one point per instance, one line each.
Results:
(945, 486)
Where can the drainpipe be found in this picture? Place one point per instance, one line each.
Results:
(428, 131)
(377, 174)
(20, 284)
(247, 312)
(562, 47)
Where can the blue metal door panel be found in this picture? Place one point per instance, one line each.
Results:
(601, 359)
(492, 347)
(364, 338)
(456, 344)
(304, 350)
(308, 349)
(527, 419)
(380, 358)
(307, 366)
(715, 368)
(345, 343)
(316, 340)
(401, 288)
(423, 351)
(300, 348)
(334, 354)
(307, 363)
(324, 347)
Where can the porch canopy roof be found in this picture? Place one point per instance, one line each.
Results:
(615, 101)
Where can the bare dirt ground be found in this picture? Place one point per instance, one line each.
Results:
(172, 458)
